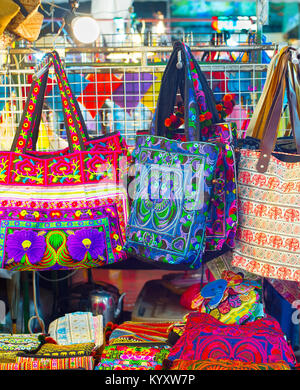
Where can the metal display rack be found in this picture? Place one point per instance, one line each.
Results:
(122, 96)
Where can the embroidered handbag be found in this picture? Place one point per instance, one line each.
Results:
(261, 341)
(173, 181)
(267, 241)
(231, 299)
(221, 223)
(66, 209)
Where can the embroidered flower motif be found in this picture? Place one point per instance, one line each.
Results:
(62, 168)
(55, 214)
(36, 215)
(23, 214)
(24, 244)
(78, 214)
(26, 167)
(86, 241)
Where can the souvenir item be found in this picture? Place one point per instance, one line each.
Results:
(66, 209)
(231, 300)
(267, 241)
(76, 328)
(261, 341)
(173, 181)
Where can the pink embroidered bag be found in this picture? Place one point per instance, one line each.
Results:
(61, 210)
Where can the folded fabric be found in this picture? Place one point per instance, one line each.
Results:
(125, 365)
(231, 299)
(261, 341)
(128, 352)
(19, 342)
(219, 364)
(128, 356)
(8, 356)
(77, 327)
(56, 351)
(26, 363)
(140, 332)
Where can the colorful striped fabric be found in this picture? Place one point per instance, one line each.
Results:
(141, 332)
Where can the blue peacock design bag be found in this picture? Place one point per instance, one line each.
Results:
(173, 182)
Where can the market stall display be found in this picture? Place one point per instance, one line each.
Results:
(212, 199)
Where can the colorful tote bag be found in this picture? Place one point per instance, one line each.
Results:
(267, 242)
(261, 341)
(173, 181)
(66, 209)
(221, 222)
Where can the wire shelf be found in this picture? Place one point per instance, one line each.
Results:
(119, 98)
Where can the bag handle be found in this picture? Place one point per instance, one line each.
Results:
(173, 78)
(293, 95)
(270, 129)
(261, 108)
(32, 111)
(64, 88)
(200, 82)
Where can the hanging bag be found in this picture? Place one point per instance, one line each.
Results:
(173, 180)
(267, 241)
(221, 222)
(61, 210)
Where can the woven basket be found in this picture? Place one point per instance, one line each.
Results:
(28, 22)
(8, 11)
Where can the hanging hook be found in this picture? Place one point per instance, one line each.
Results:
(179, 64)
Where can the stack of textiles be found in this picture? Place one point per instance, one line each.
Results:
(50, 356)
(206, 343)
(12, 344)
(136, 346)
(73, 342)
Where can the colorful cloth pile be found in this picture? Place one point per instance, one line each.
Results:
(231, 299)
(260, 342)
(136, 346)
(73, 343)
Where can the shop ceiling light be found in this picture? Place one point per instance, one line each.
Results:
(85, 29)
